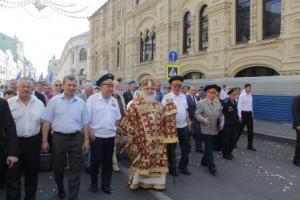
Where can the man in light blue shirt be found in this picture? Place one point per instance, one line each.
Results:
(68, 117)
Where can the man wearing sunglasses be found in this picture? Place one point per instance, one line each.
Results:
(57, 88)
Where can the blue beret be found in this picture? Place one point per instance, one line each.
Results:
(131, 81)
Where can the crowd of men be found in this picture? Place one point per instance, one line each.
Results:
(86, 125)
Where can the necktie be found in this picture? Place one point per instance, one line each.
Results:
(212, 104)
(193, 99)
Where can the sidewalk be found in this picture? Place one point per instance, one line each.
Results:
(275, 130)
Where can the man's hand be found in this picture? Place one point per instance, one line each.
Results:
(298, 128)
(92, 136)
(11, 160)
(117, 139)
(129, 139)
(240, 120)
(190, 124)
(85, 147)
(221, 127)
(45, 147)
(206, 121)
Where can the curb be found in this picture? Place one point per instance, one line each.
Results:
(265, 135)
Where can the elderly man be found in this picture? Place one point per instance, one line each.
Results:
(88, 91)
(183, 124)
(117, 94)
(26, 110)
(104, 114)
(57, 88)
(209, 113)
(146, 127)
(196, 129)
(68, 116)
(158, 93)
(128, 95)
(12, 84)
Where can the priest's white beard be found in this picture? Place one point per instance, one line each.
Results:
(149, 98)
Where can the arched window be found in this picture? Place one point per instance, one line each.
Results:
(257, 71)
(271, 18)
(147, 47)
(82, 55)
(203, 39)
(242, 21)
(187, 33)
(118, 54)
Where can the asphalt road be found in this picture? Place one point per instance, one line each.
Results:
(267, 174)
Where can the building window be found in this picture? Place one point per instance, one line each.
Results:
(187, 33)
(141, 48)
(137, 2)
(257, 71)
(147, 46)
(242, 21)
(203, 44)
(118, 54)
(153, 46)
(193, 75)
(271, 18)
(82, 55)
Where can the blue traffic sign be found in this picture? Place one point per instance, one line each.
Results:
(173, 56)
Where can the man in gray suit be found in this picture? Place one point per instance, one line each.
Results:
(209, 113)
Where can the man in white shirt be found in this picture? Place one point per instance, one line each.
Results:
(245, 111)
(223, 93)
(104, 114)
(26, 110)
(183, 123)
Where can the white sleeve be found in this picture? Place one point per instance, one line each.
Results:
(239, 106)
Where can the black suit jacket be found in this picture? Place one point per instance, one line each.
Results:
(8, 132)
(127, 96)
(40, 96)
(296, 111)
(192, 107)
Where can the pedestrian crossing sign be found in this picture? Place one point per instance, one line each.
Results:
(172, 70)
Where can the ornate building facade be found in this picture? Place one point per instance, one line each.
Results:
(74, 59)
(213, 38)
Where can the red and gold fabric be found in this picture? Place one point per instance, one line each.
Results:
(145, 122)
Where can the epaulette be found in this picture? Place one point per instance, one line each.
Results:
(168, 96)
(204, 100)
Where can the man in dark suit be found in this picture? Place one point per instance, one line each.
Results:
(128, 95)
(196, 129)
(40, 96)
(8, 137)
(36, 93)
(296, 125)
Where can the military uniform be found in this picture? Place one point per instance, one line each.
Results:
(231, 125)
(211, 110)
